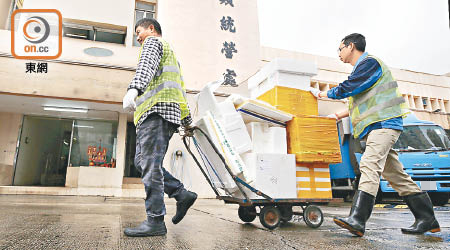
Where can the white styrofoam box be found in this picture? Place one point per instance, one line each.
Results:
(228, 116)
(224, 108)
(265, 110)
(206, 101)
(282, 72)
(250, 194)
(266, 139)
(216, 132)
(237, 132)
(272, 174)
(217, 173)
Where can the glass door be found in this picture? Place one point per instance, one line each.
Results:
(43, 152)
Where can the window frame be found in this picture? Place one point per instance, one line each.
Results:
(136, 9)
(92, 28)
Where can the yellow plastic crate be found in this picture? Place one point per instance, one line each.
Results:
(313, 139)
(293, 101)
(313, 180)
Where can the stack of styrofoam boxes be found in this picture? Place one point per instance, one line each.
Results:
(284, 84)
(270, 167)
(226, 128)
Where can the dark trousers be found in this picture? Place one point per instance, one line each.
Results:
(152, 141)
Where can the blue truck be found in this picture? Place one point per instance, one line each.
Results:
(423, 148)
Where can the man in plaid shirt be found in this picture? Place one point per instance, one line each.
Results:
(157, 119)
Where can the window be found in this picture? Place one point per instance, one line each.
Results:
(94, 143)
(425, 137)
(424, 102)
(143, 10)
(93, 33)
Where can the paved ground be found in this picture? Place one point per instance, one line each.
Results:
(67, 222)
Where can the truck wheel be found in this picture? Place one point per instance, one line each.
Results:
(313, 216)
(439, 198)
(247, 214)
(270, 217)
(286, 213)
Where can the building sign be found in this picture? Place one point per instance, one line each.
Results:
(227, 24)
(227, 2)
(228, 78)
(229, 49)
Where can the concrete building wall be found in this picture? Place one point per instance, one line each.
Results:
(101, 11)
(194, 30)
(65, 81)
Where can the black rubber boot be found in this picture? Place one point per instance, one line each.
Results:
(150, 227)
(359, 214)
(422, 209)
(184, 202)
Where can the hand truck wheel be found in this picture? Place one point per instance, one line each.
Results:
(247, 214)
(313, 216)
(286, 213)
(270, 217)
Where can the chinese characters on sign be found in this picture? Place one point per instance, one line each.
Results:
(227, 2)
(227, 24)
(31, 67)
(228, 78)
(229, 49)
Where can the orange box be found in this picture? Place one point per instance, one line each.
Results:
(293, 101)
(313, 139)
(313, 180)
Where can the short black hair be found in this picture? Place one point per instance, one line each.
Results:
(146, 22)
(357, 39)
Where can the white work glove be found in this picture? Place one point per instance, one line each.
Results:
(129, 103)
(314, 91)
(332, 116)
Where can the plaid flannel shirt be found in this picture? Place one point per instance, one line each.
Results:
(148, 64)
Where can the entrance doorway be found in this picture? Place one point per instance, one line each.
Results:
(43, 153)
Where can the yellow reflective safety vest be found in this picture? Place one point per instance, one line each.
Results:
(380, 102)
(166, 86)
